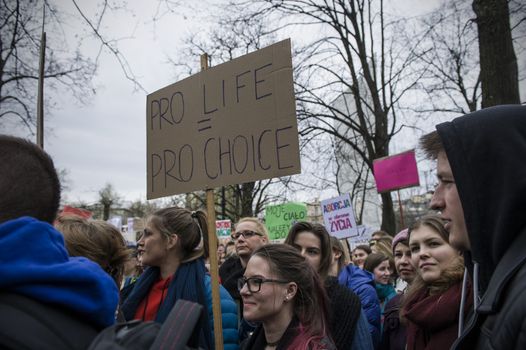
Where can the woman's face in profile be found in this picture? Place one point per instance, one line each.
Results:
(152, 246)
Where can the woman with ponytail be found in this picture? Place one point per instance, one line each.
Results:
(172, 247)
(282, 292)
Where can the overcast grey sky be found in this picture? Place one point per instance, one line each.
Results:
(104, 141)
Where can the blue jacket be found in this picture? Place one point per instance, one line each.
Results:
(34, 263)
(362, 283)
(362, 338)
(228, 313)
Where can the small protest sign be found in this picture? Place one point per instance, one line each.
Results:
(279, 218)
(83, 213)
(396, 172)
(229, 124)
(223, 228)
(116, 221)
(338, 217)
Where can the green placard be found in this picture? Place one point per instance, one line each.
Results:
(279, 218)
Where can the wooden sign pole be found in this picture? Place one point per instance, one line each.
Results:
(212, 253)
(402, 225)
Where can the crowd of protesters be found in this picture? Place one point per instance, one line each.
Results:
(452, 279)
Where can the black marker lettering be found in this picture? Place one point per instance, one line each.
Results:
(244, 148)
(239, 86)
(256, 81)
(221, 154)
(206, 160)
(259, 150)
(172, 107)
(278, 147)
(153, 172)
(191, 162)
(204, 102)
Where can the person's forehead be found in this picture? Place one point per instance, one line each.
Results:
(257, 266)
(443, 166)
(246, 225)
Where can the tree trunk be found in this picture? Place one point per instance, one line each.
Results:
(388, 217)
(247, 199)
(106, 212)
(498, 63)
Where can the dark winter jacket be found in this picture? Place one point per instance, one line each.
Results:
(487, 153)
(230, 271)
(344, 311)
(362, 283)
(59, 302)
(394, 331)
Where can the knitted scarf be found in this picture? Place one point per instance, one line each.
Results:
(187, 283)
(433, 319)
(385, 291)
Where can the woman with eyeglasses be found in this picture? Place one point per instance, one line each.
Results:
(347, 325)
(172, 247)
(284, 293)
(249, 235)
(432, 303)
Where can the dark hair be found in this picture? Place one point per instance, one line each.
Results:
(363, 247)
(431, 144)
(98, 241)
(29, 184)
(310, 301)
(325, 242)
(190, 226)
(337, 245)
(373, 260)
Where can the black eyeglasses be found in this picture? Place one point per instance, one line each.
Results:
(246, 234)
(254, 283)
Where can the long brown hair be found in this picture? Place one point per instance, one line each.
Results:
(448, 277)
(310, 301)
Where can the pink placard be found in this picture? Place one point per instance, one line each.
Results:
(396, 172)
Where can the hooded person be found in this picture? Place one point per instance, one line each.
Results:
(481, 188)
(48, 300)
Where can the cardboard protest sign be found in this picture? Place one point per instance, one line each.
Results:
(338, 217)
(279, 218)
(223, 228)
(229, 124)
(396, 172)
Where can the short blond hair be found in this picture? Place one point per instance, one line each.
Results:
(261, 228)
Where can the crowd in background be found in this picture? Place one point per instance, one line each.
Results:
(64, 278)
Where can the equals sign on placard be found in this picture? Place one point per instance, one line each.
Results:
(201, 124)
